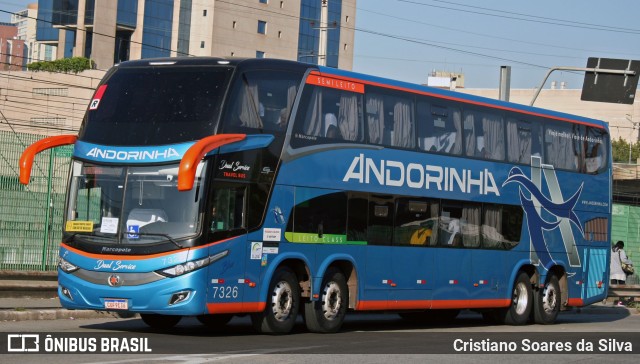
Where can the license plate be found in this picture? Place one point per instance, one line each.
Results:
(116, 304)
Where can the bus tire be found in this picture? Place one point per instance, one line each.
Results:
(283, 303)
(327, 314)
(546, 305)
(214, 321)
(519, 311)
(162, 322)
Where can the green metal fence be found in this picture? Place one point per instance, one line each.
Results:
(626, 227)
(31, 216)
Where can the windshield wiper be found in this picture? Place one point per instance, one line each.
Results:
(167, 236)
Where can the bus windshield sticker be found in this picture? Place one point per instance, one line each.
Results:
(335, 83)
(132, 231)
(109, 225)
(79, 226)
(98, 96)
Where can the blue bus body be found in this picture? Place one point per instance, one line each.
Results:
(358, 208)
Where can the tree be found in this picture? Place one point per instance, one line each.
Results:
(620, 151)
(66, 65)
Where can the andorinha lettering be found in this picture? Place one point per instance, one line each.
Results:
(138, 155)
(414, 175)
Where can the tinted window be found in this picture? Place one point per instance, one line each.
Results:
(596, 150)
(328, 115)
(439, 128)
(501, 227)
(261, 100)
(416, 222)
(563, 146)
(524, 139)
(156, 106)
(319, 219)
(380, 228)
(390, 119)
(484, 135)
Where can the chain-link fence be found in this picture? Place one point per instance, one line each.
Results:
(31, 216)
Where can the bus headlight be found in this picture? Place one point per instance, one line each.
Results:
(66, 266)
(192, 265)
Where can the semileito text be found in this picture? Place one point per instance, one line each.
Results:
(414, 175)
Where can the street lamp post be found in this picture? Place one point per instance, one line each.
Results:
(629, 118)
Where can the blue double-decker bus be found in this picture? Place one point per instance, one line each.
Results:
(214, 187)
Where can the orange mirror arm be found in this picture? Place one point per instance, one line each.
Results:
(26, 159)
(193, 156)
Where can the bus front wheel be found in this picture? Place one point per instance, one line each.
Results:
(519, 311)
(547, 302)
(162, 322)
(327, 314)
(283, 303)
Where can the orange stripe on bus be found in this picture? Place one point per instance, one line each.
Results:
(431, 304)
(236, 307)
(575, 302)
(340, 84)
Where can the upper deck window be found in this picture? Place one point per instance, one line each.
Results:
(330, 114)
(156, 105)
(390, 119)
(261, 100)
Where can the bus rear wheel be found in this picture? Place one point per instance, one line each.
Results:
(162, 322)
(547, 302)
(519, 311)
(327, 314)
(283, 304)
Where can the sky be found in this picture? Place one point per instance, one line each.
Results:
(408, 39)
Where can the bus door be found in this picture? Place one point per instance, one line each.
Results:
(454, 266)
(595, 266)
(379, 234)
(413, 256)
(225, 223)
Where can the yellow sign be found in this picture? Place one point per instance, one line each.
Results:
(83, 226)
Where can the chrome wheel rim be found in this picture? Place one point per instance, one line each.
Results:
(520, 298)
(281, 301)
(549, 299)
(331, 301)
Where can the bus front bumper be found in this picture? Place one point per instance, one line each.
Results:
(183, 295)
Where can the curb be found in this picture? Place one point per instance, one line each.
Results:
(54, 314)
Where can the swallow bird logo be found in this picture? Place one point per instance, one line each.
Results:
(559, 214)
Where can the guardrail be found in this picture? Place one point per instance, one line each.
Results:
(624, 290)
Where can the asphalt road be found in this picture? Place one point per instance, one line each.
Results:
(365, 338)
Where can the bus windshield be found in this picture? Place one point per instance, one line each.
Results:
(131, 205)
(156, 105)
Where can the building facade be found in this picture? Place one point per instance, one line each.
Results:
(26, 22)
(135, 29)
(11, 48)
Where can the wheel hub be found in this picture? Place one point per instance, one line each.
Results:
(331, 301)
(281, 301)
(520, 298)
